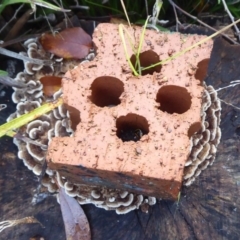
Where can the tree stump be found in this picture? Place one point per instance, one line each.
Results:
(208, 209)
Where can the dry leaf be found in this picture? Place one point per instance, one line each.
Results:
(51, 84)
(70, 43)
(75, 220)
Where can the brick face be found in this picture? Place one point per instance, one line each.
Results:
(133, 133)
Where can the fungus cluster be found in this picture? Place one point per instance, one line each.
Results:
(58, 123)
(109, 199)
(204, 142)
(43, 129)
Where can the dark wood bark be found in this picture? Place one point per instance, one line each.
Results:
(208, 209)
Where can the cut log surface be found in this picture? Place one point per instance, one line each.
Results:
(208, 209)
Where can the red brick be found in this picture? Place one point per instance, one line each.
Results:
(96, 155)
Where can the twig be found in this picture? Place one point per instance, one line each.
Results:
(230, 104)
(199, 21)
(13, 17)
(66, 19)
(11, 223)
(77, 6)
(5, 80)
(146, 6)
(232, 19)
(233, 84)
(24, 58)
(176, 17)
(50, 17)
(20, 39)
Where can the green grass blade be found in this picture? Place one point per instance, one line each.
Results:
(7, 128)
(9, 2)
(121, 27)
(3, 73)
(125, 11)
(32, 2)
(48, 5)
(140, 45)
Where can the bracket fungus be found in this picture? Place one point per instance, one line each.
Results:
(205, 141)
(204, 137)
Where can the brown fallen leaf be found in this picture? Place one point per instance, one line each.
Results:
(51, 84)
(70, 43)
(75, 220)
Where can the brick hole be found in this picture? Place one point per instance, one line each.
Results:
(147, 58)
(194, 128)
(74, 116)
(174, 99)
(132, 127)
(202, 68)
(106, 91)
